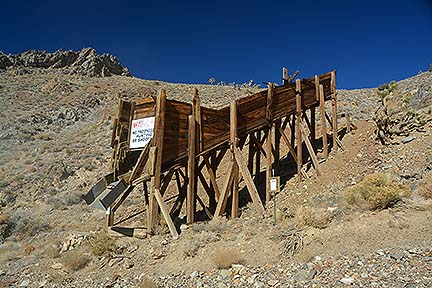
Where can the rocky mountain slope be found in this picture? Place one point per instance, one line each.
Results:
(54, 144)
(85, 62)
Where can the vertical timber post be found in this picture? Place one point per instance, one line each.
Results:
(334, 106)
(258, 156)
(190, 196)
(234, 143)
(298, 132)
(155, 181)
(323, 121)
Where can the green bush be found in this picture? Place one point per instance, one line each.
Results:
(103, 245)
(376, 191)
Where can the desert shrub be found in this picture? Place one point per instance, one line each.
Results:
(23, 224)
(4, 227)
(52, 251)
(376, 191)
(103, 245)
(74, 260)
(425, 187)
(224, 257)
(314, 217)
(147, 282)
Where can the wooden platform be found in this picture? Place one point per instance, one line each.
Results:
(189, 139)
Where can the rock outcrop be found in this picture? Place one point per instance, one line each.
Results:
(85, 62)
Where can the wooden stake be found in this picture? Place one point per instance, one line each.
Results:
(190, 198)
(323, 121)
(334, 106)
(299, 136)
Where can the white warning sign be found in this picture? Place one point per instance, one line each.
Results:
(141, 132)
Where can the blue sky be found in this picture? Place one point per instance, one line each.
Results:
(367, 42)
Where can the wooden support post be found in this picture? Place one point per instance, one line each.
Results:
(284, 76)
(196, 104)
(305, 132)
(277, 137)
(313, 124)
(323, 121)
(299, 134)
(234, 140)
(269, 160)
(155, 181)
(293, 129)
(190, 198)
(253, 192)
(220, 208)
(176, 208)
(251, 153)
(165, 213)
(213, 184)
(334, 106)
(258, 155)
(109, 217)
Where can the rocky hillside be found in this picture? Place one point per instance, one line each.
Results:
(85, 63)
(54, 144)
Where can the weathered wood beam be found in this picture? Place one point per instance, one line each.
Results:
(225, 192)
(234, 143)
(191, 190)
(253, 192)
(323, 121)
(305, 133)
(165, 213)
(211, 171)
(299, 135)
(334, 110)
(158, 139)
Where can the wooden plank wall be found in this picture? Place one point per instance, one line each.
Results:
(215, 124)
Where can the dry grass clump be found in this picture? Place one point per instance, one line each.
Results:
(74, 260)
(313, 217)
(103, 245)
(224, 257)
(376, 191)
(425, 187)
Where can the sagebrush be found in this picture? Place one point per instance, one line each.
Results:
(376, 191)
(103, 245)
(74, 260)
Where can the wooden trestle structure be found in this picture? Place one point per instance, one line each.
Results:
(189, 139)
